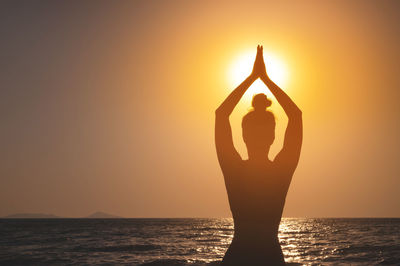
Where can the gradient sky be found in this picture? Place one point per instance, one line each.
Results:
(109, 106)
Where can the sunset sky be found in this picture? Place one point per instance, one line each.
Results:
(109, 106)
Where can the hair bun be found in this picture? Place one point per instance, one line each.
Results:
(260, 102)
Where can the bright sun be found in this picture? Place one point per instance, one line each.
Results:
(242, 65)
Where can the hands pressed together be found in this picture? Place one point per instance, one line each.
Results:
(259, 70)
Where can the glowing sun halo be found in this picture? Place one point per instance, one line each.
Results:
(242, 65)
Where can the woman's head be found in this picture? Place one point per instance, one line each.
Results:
(260, 102)
(258, 125)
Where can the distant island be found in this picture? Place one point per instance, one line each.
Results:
(96, 215)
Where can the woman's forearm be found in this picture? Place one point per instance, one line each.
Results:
(232, 100)
(284, 100)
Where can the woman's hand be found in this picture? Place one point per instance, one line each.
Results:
(259, 70)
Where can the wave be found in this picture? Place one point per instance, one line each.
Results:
(174, 262)
(121, 248)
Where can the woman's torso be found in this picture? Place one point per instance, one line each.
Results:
(256, 195)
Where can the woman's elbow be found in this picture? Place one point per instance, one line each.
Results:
(299, 113)
(220, 112)
(296, 114)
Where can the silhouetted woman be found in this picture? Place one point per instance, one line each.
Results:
(257, 187)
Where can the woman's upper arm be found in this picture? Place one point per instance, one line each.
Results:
(226, 152)
(288, 157)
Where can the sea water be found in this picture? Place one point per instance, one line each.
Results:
(191, 241)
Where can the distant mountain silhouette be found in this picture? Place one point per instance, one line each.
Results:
(31, 215)
(102, 215)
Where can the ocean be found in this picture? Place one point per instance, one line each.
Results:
(328, 241)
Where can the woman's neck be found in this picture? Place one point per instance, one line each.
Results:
(257, 154)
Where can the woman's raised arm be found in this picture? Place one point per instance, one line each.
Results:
(288, 157)
(226, 151)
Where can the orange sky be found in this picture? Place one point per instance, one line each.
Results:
(111, 107)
